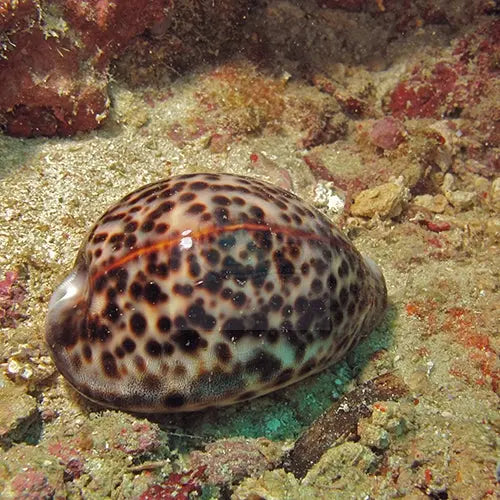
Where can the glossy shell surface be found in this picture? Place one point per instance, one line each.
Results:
(204, 290)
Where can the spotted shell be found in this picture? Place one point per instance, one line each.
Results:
(204, 290)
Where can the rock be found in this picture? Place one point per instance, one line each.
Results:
(331, 199)
(230, 460)
(462, 200)
(17, 412)
(54, 69)
(495, 194)
(373, 435)
(272, 485)
(385, 200)
(339, 461)
(341, 420)
(436, 204)
(387, 133)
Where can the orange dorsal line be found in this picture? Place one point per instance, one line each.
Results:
(198, 235)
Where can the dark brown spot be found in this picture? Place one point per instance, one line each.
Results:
(351, 310)
(147, 226)
(343, 269)
(164, 324)
(100, 283)
(264, 364)
(239, 299)
(109, 365)
(112, 312)
(212, 256)
(212, 281)
(343, 296)
(257, 212)
(99, 238)
(276, 302)
(285, 267)
(301, 304)
(223, 352)
(316, 285)
(185, 197)
(197, 316)
(138, 323)
(153, 348)
(99, 332)
(153, 294)
(332, 282)
(196, 208)
(130, 227)
(233, 329)
(130, 240)
(87, 352)
(161, 228)
(198, 186)
(221, 200)
(135, 290)
(221, 215)
(129, 345)
(189, 340)
(116, 238)
(272, 335)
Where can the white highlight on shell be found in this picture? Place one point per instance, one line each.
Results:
(186, 243)
(68, 290)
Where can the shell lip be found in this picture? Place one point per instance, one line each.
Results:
(66, 316)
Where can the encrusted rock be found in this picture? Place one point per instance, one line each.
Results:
(385, 200)
(387, 133)
(436, 204)
(18, 412)
(387, 421)
(340, 460)
(495, 194)
(230, 460)
(272, 485)
(462, 200)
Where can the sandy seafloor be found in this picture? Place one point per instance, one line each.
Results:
(440, 335)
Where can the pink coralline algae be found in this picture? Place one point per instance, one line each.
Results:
(70, 457)
(53, 64)
(231, 460)
(454, 85)
(138, 439)
(12, 293)
(31, 485)
(387, 133)
(177, 486)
